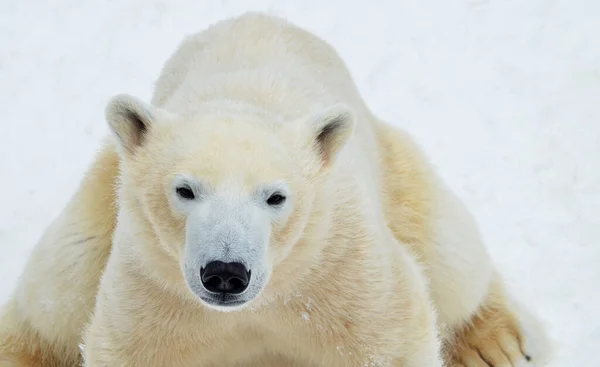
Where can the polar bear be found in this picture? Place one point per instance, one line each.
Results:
(257, 213)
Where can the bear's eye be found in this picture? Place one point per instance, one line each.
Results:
(275, 199)
(185, 192)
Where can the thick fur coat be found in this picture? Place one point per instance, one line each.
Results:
(257, 149)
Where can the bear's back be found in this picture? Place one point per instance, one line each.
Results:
(261, 59)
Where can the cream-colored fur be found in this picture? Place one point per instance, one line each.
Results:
(42, 323)
(376, 264)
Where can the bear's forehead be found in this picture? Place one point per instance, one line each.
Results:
(229, 152)
(233, 143)
(230, 130)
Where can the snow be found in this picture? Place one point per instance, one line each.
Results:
(503, 96)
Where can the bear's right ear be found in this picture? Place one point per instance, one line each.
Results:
(129, 119)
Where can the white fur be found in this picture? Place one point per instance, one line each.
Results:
(370, 261)
(458, 253)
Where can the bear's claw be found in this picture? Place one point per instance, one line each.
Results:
(492, 338)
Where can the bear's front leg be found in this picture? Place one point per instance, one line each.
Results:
(498, 334)
(21, 346)
(476, 319)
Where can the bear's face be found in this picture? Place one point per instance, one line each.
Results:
(228, 195)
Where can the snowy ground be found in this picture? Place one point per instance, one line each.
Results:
(504, 96)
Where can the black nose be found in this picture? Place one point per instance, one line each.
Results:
(220, 277)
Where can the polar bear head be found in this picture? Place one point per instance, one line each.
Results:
(229, 192)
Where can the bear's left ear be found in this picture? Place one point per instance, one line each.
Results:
(129, 119)
(332, 128)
